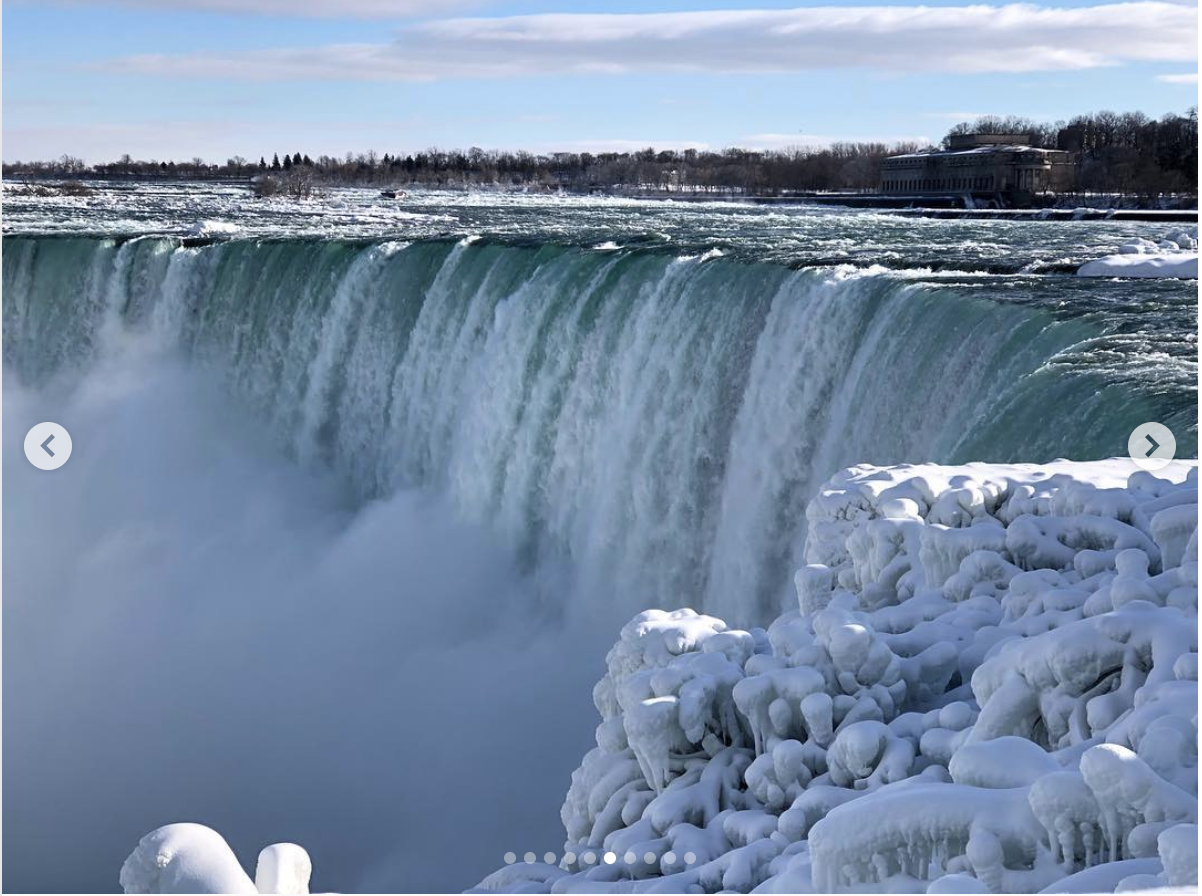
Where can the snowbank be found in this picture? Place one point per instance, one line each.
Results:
(1174, 257)
(1176, 265)
(989, 685)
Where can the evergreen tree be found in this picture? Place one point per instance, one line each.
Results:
(287, 162)
(307, 162)
(275, 162)
(262, 164)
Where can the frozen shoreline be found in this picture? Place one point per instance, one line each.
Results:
(989, 685)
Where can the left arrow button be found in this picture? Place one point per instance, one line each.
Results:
(38, 450)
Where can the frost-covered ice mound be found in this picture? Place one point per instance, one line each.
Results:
(989, 685)
(1173, 265)
(1173, 257)
(191, 858)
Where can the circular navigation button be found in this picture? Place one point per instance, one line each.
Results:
(48, 446)
(1152, 445)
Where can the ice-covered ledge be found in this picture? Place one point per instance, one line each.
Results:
(989, 685)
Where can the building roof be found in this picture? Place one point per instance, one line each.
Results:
(984, 149)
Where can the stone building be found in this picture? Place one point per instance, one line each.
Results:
(994, 164)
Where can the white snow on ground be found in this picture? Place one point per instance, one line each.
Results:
(989, 685)
(1176, 256)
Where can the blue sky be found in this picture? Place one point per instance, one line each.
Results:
(216, 78)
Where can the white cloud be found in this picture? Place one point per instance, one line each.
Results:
(356, 9)
(961, 39)
(1187, 78)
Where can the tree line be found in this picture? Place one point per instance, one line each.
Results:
(1126, 153)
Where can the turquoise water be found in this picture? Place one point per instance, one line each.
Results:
(659, 419)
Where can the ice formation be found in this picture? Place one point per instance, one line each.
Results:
(1175, 256)
(191, 858)
(989, 685)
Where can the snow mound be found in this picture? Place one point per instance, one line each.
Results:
(1172, 265)
(1174, 257)
(191, 858)
(989, 685)
(212, 228)
(1182, 240)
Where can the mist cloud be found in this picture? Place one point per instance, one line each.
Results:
(198, 630)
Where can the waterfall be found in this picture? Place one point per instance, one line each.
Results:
(657, 421)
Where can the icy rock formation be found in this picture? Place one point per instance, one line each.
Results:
(191, 858)
(1175, 256)
(989, 685)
